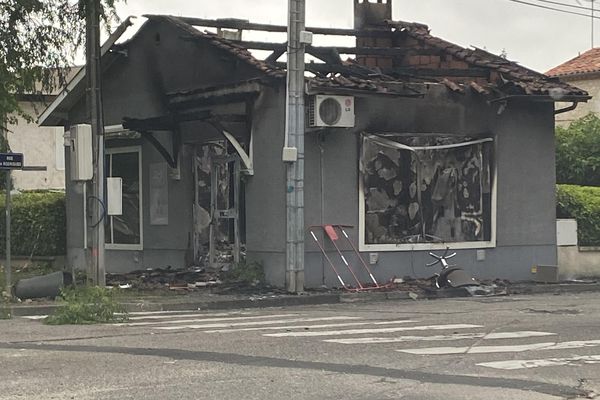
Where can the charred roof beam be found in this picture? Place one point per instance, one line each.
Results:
(439, 72)
(362, 51)
(248, 26)
(350, 69)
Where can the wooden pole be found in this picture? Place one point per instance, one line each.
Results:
(96, 119)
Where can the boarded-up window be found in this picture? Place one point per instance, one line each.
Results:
(426, 189)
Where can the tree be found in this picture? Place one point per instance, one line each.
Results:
(39, 40)
(578, 152)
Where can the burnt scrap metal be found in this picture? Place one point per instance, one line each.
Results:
(165, 278)
(426, 188)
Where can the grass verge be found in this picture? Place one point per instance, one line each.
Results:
(87, 305)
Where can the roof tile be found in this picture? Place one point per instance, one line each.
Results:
(588, 62)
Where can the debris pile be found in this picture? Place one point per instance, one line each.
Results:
(161, 278)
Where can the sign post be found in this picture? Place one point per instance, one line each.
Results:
(8, 162)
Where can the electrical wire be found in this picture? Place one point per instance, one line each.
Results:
(102, 215)
(554, 9)
(558, 3)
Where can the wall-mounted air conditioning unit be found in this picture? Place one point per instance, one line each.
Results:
(331, 111)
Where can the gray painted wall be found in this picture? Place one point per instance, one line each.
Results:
(157, 62)
(526, 230)
(265, 191)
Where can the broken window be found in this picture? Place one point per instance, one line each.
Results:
(426, 189)
(125, 229)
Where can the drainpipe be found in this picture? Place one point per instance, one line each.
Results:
(566, 109)
(293, 153)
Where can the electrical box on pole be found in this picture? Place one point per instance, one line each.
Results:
(82, 165)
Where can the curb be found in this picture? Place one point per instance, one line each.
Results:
(291, 300)
(555, 288)
(234, 304)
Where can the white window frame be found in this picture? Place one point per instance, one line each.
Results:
(140, 246)
(364, 247)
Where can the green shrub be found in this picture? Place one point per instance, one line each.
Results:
(578, 152)
(583, 204)
(38, 224)
(87, 305)
(248, 273)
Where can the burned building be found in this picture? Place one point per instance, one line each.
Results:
(416, 142)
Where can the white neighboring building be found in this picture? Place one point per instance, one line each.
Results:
(582, 71)
(41, 146)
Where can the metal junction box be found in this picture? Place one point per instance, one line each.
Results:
(546, 273)
(80, 154)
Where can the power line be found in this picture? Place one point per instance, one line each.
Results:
(565, 5)
(554, 9)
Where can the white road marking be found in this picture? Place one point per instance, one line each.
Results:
(233, 324)
(516, 335)
(196, 315)
(456, 336)
(476, 349)
(34, 317)
(549, 362)
(502, 349)
(185, 321)
(374, 330)
(273, 328)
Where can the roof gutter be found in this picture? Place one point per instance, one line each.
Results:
(542, 98)
(80, 76)
(566, 109)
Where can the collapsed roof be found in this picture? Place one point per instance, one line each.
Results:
(395, 58)
(387, 60)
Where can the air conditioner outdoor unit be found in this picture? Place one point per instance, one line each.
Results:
(331, 111)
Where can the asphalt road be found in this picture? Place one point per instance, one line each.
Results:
(525, 347)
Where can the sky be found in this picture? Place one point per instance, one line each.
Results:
(536, 38)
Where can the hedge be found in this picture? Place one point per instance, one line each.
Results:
(38, 224)
(578, 152)
(583, 204)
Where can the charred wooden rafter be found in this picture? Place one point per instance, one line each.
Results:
(439, 72)
(170, 123)
(239, 92)
(248, 26)
(350, 69)
(361, 51)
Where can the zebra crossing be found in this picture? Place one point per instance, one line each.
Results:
(408, 336)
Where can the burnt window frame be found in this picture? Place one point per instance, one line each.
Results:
(366, 247)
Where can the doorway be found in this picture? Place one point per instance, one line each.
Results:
(217, 206)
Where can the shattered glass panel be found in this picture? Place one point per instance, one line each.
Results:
(426, 189)
(203, 165)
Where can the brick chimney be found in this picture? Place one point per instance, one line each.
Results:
(370, 15)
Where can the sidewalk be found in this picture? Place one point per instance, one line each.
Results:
(205, 300)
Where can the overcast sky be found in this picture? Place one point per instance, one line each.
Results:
(537, 38)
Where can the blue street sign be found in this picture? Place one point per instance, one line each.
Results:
(11, 161)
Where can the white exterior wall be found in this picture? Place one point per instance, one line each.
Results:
(574, 261)
(590, 84)
(41, 146)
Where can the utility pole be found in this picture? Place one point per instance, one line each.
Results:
(294, 146)
(94, 103)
